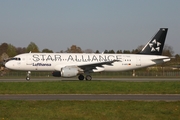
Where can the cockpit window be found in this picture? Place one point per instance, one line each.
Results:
(15, 58)
(18, 59)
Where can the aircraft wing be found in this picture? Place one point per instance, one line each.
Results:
(90, 67)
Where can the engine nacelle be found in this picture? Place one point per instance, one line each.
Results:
(69, 71)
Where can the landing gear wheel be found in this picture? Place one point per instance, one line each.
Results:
(27, 78)
(28, 75)
(81, 77)
(88, 77)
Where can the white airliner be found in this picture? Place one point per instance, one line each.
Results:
(76, 64)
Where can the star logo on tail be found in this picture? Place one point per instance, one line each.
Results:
(154, 45)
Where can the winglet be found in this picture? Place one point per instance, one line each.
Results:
(156, 44)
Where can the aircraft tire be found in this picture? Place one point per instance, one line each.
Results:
(27, 78)
(88, 77)
(81, 77)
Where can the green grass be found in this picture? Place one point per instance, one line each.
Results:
(89, 110)
(92, 87)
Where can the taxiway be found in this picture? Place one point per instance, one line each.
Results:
(133, 79)
(95, 97)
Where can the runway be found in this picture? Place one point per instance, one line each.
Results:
(93, 97)
(133, 79)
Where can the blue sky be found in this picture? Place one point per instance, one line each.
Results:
(89, 24)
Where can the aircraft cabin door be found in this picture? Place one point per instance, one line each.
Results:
(138, 61)
(28, 60)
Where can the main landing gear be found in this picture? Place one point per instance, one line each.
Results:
(28, 75)
(88, 77)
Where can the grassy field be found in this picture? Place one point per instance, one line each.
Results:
(89, 110)
(92, 87)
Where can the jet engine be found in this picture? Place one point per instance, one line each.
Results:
(68, 71)
(56, 73)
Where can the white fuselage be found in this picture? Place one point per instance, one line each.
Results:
(56, 61)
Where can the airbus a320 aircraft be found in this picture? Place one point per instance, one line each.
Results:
(73, 64)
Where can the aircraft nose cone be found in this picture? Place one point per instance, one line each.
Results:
(8, 65)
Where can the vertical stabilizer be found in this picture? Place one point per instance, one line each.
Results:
(156, 44)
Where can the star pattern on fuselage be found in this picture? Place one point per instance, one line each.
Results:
(154, 45)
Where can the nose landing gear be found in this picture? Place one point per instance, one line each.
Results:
(28, 75)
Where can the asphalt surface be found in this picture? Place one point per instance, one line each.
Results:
(135, 79)
(92, 97)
